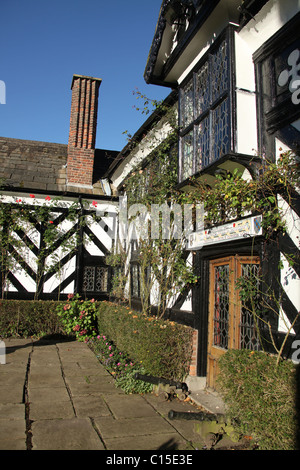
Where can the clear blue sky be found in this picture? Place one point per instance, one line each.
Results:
(44, 42)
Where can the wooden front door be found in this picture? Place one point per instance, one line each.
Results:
(231, 325)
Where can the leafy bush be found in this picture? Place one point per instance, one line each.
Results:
(162, 347)
(119, 365)
(261, 398)
(29, 318)
(79, 316)
(129, 342)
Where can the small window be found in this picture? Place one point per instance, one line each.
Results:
(135, 280)
(95, 279)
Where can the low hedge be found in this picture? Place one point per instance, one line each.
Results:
(262, 398)
(29, 318)
(164, 348)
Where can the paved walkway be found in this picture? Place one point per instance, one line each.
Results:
(57, 396)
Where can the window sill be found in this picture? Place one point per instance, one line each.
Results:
(248, 161)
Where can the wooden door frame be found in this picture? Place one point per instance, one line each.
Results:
(235, 263)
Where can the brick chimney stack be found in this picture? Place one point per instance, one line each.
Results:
(82, 136)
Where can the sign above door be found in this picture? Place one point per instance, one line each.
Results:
(244, 228)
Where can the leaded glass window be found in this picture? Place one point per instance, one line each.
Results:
(221, 306)
(95, 279)
(202, 144)
(202, 89)
(219, 71)
(249, 336)
(135, 280)
(205, 109)
(188, 152)
(220, 130)
(187, 114)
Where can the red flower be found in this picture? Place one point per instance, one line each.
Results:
(47, 198)
(94, 203)
(50, 221)
(31, 195)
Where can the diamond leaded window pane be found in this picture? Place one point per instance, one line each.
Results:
(88, 278)
(202, 90)
(186, 108)
(95, 279)
(220, 130)
(202, 144)
(221, 306)
(249, 337)
(101, 279)
(220, 63)
(135, 281)
(187, 153)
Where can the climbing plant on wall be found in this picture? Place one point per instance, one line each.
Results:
(36, 234)
(226, 197)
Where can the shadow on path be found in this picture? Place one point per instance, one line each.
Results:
(29, 342)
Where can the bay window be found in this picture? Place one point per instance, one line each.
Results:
(206, 108)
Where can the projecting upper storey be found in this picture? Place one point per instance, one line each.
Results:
(227, 58)
(186, 27)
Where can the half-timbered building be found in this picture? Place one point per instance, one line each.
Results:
(234, 70)
(59, 179)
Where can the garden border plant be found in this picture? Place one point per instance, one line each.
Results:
(79, 318)
(119, 365)
(127, 342)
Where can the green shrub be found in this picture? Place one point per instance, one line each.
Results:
(261, 398)
(163, 348)
(78, 316)
(29, 318)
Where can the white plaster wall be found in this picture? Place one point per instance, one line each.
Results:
(59, 277)
(23, 278)
(245, 98)
(246, 129)
(268, 21)
(187, 304)
(141, 152)
(289, 279)
(99, 234)
(290, 282)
